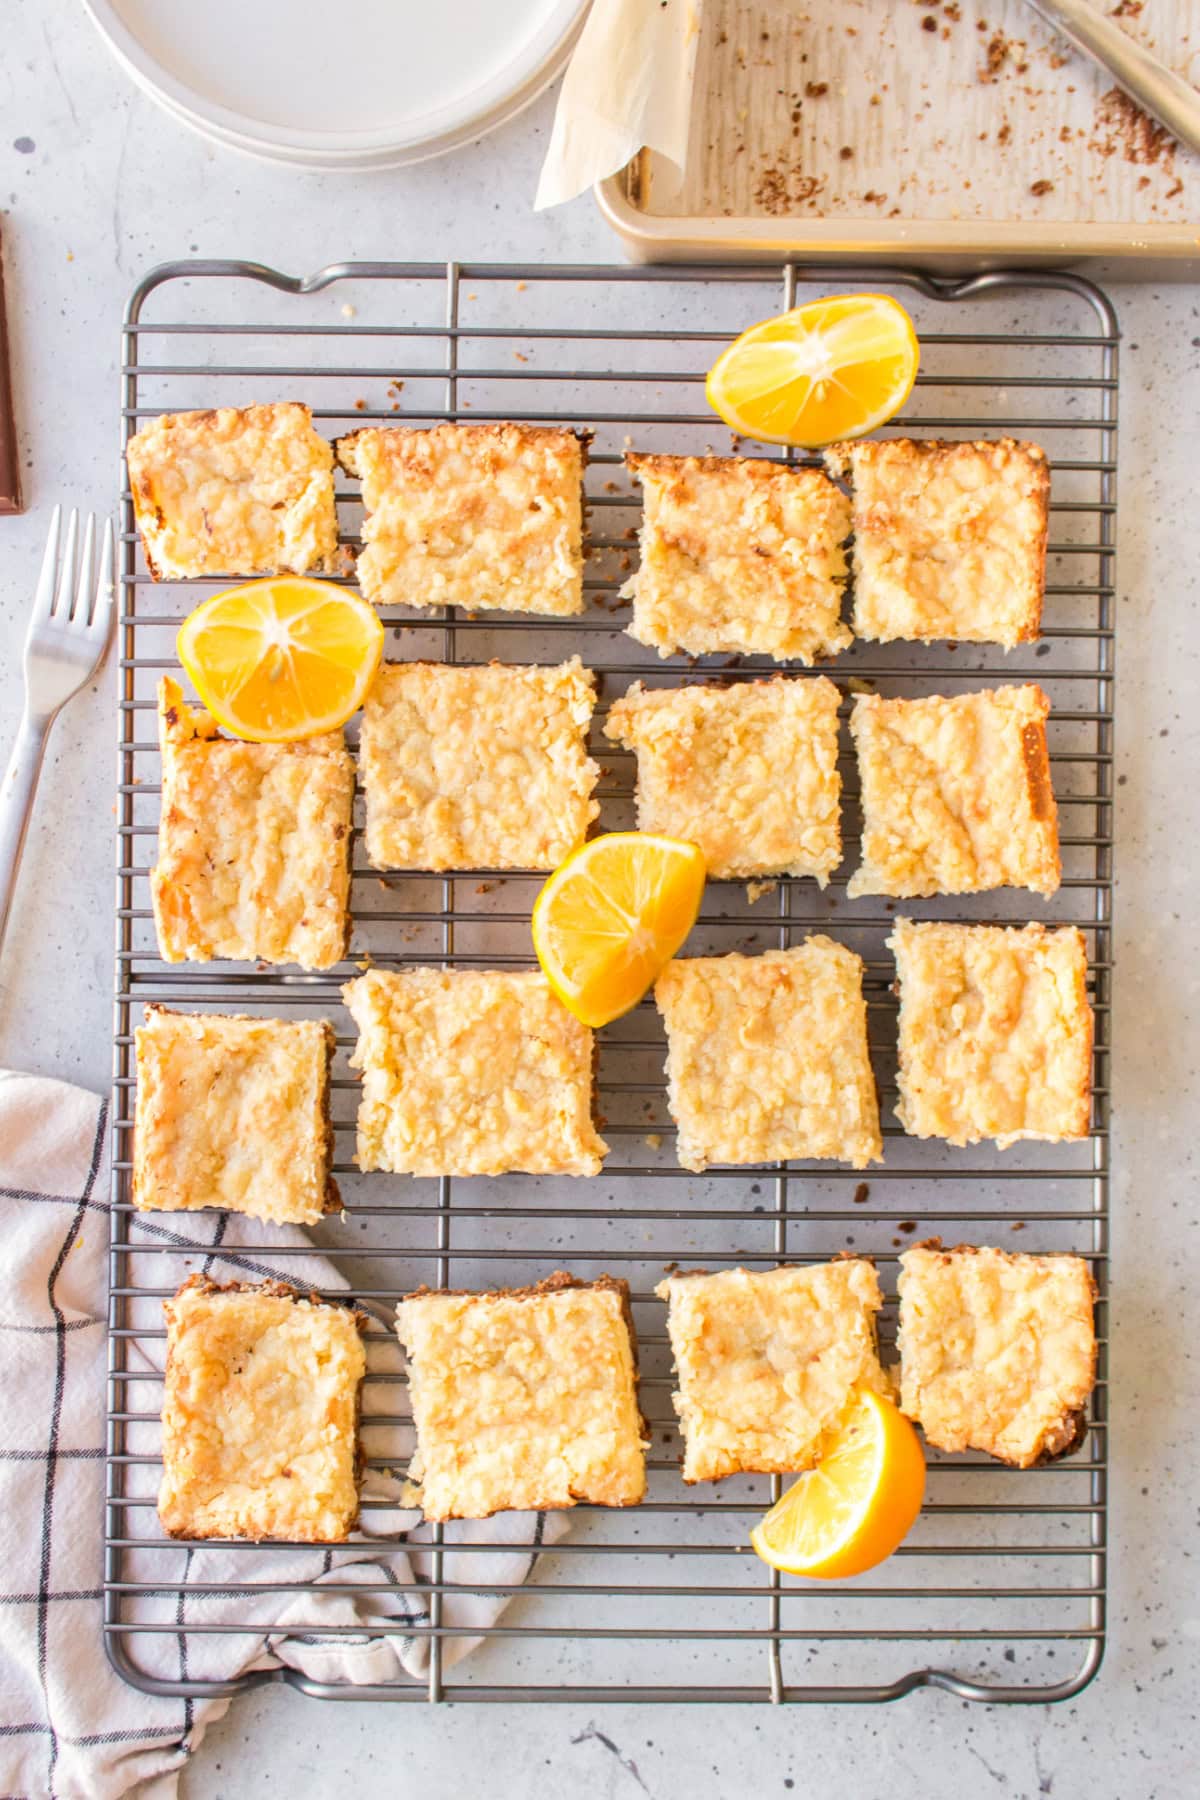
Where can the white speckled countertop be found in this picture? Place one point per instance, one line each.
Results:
(97, 185)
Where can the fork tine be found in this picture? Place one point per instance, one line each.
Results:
(81, 606)
(106, 581)
(66, 574)
(43, 599)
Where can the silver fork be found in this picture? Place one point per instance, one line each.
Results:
(64, 646)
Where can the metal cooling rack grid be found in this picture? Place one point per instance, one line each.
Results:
(999, 1593)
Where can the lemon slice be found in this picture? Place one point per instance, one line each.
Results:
(281, 659)
(833, 369)
(612, 915)
(852, 1510)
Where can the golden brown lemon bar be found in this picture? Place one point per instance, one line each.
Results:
(997, 1352)
(766, 1361)
(233, 1112)
(253, 844)
(739, 555)
(524, 1399)
(260, 1414)
(477, 768)
(488, 517)
(471, 1072)
(748, 772)
(245, 490)
(956, 794)
(995, 1032)
(949, 539)
(767, 1057)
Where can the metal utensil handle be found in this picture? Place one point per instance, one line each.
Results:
(16, 804)
(1170, 99)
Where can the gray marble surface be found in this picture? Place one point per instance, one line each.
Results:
(97, 185)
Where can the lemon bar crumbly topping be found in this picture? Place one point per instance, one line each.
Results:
(956, 794)
(260, 1414)
(739, 555)
(998, 1352)
(767, 1057)
(253, 844)
(239, 491)
(471, 1072)
(233, 1112)
(995, 1032)
(488, 517)
(949, 538)
(525, 1399)
(477, 767)
(749, 772)
(766, 1362)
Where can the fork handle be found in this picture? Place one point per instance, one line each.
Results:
(1165, 95)
(16, 804)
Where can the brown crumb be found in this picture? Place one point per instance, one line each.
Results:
(1004, 135)
(360, 406)
(484, 887)
(909, 1225)
(779, 190)
(929, 23)
(997, 55)
(1017, 1225)
(1041, 187)
(846, 152)
(1123, 129)
(520, 356)
(862, 1193)
(814, 89)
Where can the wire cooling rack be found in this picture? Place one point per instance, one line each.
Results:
(998, 1594)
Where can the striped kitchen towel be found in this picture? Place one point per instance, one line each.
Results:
(70, 1727)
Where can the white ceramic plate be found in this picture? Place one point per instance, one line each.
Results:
(357, 84)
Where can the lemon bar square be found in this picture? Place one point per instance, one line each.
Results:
(956, 794)
(233, 1112)
(766, 1361)
(477, 768)
(949, 538)
(997, 1351)
(243, 490)
(471, 1072)
(260, 1414)
(739, 555)
(524, 1399)
(995, 1032)
(767, 1057)
(748, 772)
(487, 517)
(253, 844)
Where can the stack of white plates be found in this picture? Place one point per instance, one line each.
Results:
(341, 84)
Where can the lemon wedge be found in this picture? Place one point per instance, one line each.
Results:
(282, 659)
(832, 369)
(612, 915)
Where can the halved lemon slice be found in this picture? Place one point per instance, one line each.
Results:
(833, 369)
(852, 1510)
(281, 659)
(612, 915)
